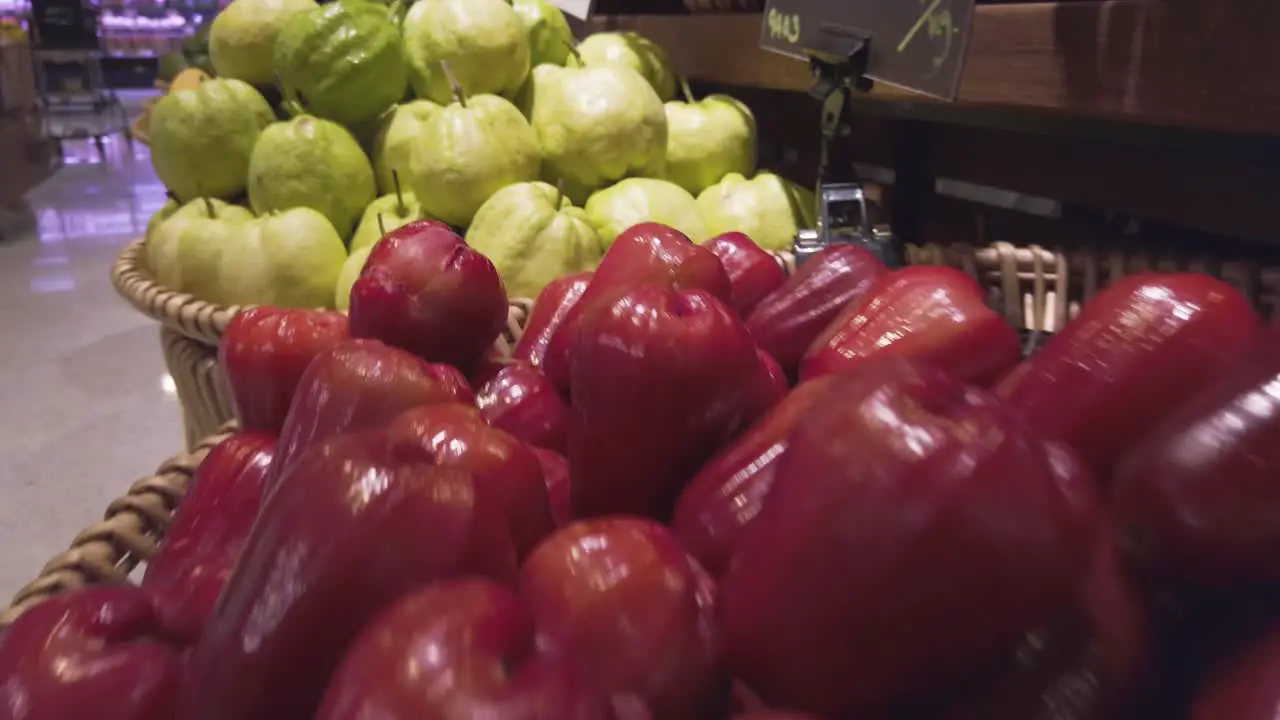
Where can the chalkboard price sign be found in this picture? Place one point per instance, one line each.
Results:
(915, 44)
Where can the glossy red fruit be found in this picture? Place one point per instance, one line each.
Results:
(727, 493)
(1245, 688)
(645, 254)
(774, 385)
(356, 523)
(457, 437)
(459, 649)
(619, 598)
(1135, 353)
(753, 271)
(555, 472)
(1198, 502)
(658, 380)
(361, 385)
(194, 559)
(263, 354)
(1092, 664)
(523, 401)
(788, 319)
(956, 529)
(95, 653)
(930, 315)
(549, 311)
(774, 715)
(423, 289)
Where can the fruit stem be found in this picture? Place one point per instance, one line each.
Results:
(559, 193)
(453, 83)
(208, 207)
(684, 89)
(573, 50)
(400, 208)
(382, 229)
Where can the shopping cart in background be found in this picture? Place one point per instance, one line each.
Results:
(73, 95)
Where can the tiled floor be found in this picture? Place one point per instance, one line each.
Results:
(84, 404)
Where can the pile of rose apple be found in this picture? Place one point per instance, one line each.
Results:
(702, 489)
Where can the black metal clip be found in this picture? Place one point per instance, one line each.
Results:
(839, 65)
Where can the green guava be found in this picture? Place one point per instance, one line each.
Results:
(708, 139)
(342, 61)
(348, 275)
(243, 35)
(469, 150)
(383, 215)
(550, 38)
(532, 234)
(398, 131)
(630, 50)
(201, 138)
(637, 200)
(309, 162)
(287, 259)
(767, 208)
(164, 241)
(597, 125)
(483, 42)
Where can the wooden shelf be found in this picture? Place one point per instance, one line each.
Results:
(1191, 63)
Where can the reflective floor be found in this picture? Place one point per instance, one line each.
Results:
(85, 404)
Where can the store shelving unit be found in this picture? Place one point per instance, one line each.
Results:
(1161, 110)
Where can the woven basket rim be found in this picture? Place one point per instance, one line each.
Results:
(182, 312)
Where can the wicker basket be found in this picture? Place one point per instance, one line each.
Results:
(190, 330)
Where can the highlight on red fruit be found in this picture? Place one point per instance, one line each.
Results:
(753, 271)
(424, 290)
(645, 254)
(926, 314)
(263, 354)
(1137, 351)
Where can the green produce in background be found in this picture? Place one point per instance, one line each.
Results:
(287, 259)
(769, 209)
(170, 64)
(550, 39)
(164, 238)
(708, 139)
(532, 234)
(629, 50)
(483, 42)
(637, 200)
(244, 33)
(347, 277)
(399, 130)
(469, 150)
(384, 215)
(201, 138)
(342, 61)
(315, 163)
(596, 125)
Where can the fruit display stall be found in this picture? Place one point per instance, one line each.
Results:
(528, 409)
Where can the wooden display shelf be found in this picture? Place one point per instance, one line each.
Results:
(1191, 63)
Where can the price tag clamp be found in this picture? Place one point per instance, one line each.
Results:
(838, 61)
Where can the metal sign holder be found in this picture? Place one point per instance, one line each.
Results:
(839, 66)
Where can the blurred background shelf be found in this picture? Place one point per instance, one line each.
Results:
(1188, 63)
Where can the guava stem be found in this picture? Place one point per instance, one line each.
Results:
(559, 193)
(573, 50)
(684, 89)
(382, 229)
(208, 207)
(453, 83)
(395, 179)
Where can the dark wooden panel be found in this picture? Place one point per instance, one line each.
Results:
(1197, 63)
